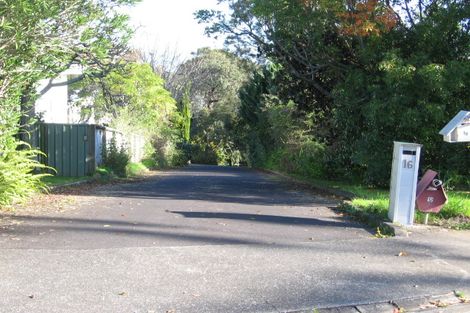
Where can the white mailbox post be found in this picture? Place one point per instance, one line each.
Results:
(403, 182)
(458, 129)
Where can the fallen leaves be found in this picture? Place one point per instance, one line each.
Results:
(439, 303)
(461, 296)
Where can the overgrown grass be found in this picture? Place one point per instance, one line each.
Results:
(150, 163)
(135, 169)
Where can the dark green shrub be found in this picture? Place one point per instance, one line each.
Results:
(305, 158)
(116, 158)
(203, 155)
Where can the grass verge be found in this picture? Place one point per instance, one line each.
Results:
(102, 174)
(136, 169)
(53, 181)
(370, 205)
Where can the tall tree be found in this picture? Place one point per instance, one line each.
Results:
(186, 115)
(214, 77)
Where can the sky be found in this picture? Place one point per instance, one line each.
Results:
(170, 24)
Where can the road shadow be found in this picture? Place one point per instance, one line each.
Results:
(272, 219)
(213, 184)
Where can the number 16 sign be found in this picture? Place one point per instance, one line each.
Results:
(403, 182)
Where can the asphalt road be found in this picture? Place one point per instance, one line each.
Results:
(211, 239)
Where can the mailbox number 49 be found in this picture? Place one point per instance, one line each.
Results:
(407, 164)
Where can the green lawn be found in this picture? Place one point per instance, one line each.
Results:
(57, 180)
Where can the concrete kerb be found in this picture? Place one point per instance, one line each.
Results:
(449, 302)
(406, 231)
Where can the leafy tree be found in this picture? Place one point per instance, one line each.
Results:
(214, 77)
(38, 40)
(186, 116)
(358, 74)
(134, 100)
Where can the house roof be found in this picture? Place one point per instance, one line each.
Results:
(462, 118)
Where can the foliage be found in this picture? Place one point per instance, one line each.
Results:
(103, 173)
(17, 178)
(372, 203)
(178, 157)
(354, 76)
(186, 116)
(214, 78)
(60, 181)
(133, 100)
(116, 158)
(38, 40)
(277, 138)
(203, 154)
(149, 163)
(135, 169)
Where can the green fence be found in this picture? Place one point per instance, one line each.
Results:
(70, 148)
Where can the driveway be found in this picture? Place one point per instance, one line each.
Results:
(215, 239)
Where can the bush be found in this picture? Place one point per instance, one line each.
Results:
(18, 180)
(255, 152)
(116, 159)
(19, 168)
(149, 163)
(179, 158)
(304, 158)
(203, 155)
(167, 153)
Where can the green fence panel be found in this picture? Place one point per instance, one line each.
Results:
(70, 148)
(66, 153)
(74, 151)
(50, 146)
(58, 149)
(90, 149)
(81, 153)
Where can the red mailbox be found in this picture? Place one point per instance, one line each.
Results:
(430, 195)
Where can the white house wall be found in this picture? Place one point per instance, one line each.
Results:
(53, 106)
